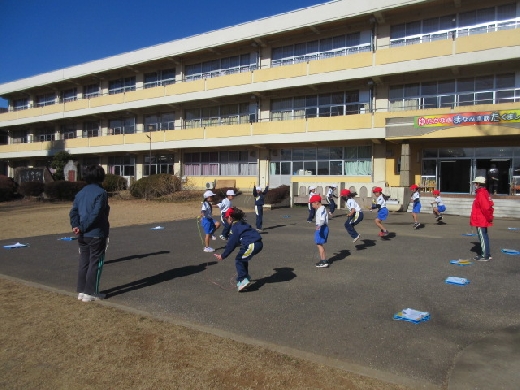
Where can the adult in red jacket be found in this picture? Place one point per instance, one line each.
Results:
(482, 217)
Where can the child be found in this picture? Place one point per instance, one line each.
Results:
(382, 213)
(416, 199)
(259, 205)
(330, 198)
(249, 240)
(312, 211)
(224, 206)
(89, 221)
(438, 206)
(355, 214)
(482, 217)
(322, 228)
(207, 222)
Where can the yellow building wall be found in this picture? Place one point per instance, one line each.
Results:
(186, 134)
(52, 109)
(279, 127)
(229, 80)
(107, 99)
(280, 72)
(8, 116)
(180, 88)
(353, 61)
(414, 52)
(228, 131)
(149, 93)
(29, 112)
(76, 143)
(108, 140)
(480, 42)
(76, 105)
(345, 122)
(243, 183)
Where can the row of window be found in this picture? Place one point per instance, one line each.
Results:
(221, 67)
(228, 114)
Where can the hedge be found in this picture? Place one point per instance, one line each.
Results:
(8, 188)
(155, 186)
(63, 190)
(31, 188)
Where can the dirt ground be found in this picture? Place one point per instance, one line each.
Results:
(52, 341)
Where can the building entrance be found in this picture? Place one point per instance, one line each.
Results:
(455, 176)
(496, 172)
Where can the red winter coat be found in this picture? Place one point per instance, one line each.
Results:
(482, 209)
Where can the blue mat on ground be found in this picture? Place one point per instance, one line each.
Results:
(17, 245)
(511, 252)
(461, 262)
(469, 234)
(455, 280)
(67, 238)
(157, 228)
(411, 315)
(513, 228)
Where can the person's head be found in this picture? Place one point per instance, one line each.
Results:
(230, 194)
(312, 189)
(479, 181)
(208, 195)
(315, 201)
(234, 214)
(436, 192)
(346, 194)
(414, 188)
(258, 188)
(377, 191)
(94, 174)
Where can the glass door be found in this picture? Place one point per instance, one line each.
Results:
(455, 176)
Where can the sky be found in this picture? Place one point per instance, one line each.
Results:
(40, 36)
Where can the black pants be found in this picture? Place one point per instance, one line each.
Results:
(91, 260)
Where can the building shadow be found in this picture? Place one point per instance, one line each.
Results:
(134, 257)
(284, 274)
(156, 279)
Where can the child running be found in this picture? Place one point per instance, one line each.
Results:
(312, 211)
(330, 198)
(224, 206)
(322, 229)
(355, 214)
(438, 206)
(206, 220)
(416, 199)
(259, 195)
(249, 240)
(382, 211)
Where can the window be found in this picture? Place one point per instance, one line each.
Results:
(46, 134)
(20, 104)
(121, 126)
(162, 77)
(91, 91)
(121, 85)
(215, 68)
(340, 45)
(323, 105)
(19, 137)
(46, 99)
(229, 114)
(121, 165)
(358, 160)
(90, 129)
(164, 121)
(225, 163)
(67, 132)
(69, 95)
(158, 164)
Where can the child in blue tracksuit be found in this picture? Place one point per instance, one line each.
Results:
(330, 198)
(206, 220)
(259, 195)
(224, 206)
(249, 240)
(89, 221)
(438, 205)
(354, 216)
(312, 211)
(416, 199)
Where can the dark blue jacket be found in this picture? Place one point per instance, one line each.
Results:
(241, 234)
(259, 196)
(90, 211)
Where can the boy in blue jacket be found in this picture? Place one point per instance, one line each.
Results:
(89, 221)
(249, 240)
(259, 195)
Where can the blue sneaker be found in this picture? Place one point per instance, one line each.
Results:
(243, 284)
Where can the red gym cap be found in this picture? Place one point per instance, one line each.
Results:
(436, 192)
(413, 187)
(345, 192)
(228, 212)
(377, 189)
(315, 198)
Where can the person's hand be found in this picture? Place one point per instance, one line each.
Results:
(219, 257)
(76, 230)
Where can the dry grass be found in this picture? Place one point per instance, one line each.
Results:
(52, 341)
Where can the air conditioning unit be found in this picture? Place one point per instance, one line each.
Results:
(210, 185)
(184, 179)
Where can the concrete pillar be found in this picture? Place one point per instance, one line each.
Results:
(404, 176)
(379, 156)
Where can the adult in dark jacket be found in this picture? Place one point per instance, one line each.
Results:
(259, 195)
(249, 240)
(482, 217)
(89, 221)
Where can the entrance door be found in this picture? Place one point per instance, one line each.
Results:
(498, 168)
(455, 176)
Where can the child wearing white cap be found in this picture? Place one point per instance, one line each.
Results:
(206, 220)
(312, 211)
(258, 194)
(224, 206)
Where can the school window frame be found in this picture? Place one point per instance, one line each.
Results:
(21, 104)
(91, 129)
(159, 78)
(122, 165)
(160, 163)
(121, 126)
(46, 99)
(156, 122)
(46, 134)
(223, 163)
(91, 91)
(69, 95)
(245, 62)
(68, 132)
(121, 85)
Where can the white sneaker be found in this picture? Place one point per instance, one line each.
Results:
(213, 238)
(80, 296)
(357, 238)
(89, 298)
(223, 238)
(209, 249)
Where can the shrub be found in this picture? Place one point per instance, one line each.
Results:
(114, 183)
(63, 190)
(276, 195)
(31, 188)
(155, 186)
(8, 188)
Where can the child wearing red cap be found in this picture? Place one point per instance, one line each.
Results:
(416, 199)
(249, 240)
(312, 211)
(382, 211)
(322, 229)
(355, 214)
(438, 206)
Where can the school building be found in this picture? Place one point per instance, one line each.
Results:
(356, 93)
